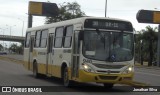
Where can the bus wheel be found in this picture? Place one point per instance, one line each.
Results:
(35, 70)
(66, 80)
(108, 85)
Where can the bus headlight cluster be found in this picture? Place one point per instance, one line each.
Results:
(130, 69)
(87, 68)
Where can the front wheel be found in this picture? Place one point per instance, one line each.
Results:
(66, 81)
(108, 85)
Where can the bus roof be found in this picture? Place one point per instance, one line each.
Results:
(70, 22)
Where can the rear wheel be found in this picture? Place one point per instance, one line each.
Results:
(35, 70)
(66, 81)
(108, 85)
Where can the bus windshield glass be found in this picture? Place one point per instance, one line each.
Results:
(108, 46)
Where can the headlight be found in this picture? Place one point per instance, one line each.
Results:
(87, 68)
(130, 69)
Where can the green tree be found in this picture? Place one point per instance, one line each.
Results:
(149, 38)
(16, 49)
(13, 47)
(1, 47)
(20, 49)
(66, 11)
(138, 46)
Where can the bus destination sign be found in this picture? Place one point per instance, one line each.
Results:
(108, 24)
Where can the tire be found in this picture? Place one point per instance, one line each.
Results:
(66, 81)
(35, 70)
(108, 85)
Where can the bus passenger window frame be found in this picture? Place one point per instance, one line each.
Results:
(38, 45)
(56, 39)
(27, 40)
(43, 45)
(67, 43)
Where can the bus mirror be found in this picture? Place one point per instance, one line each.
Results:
(81, 35)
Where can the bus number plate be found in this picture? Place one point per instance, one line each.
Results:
(87, 60)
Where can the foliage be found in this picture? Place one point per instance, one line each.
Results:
(1, 47)
(67, 11)
(147, 40)
(16, 49)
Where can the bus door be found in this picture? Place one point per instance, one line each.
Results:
(75, 57)
(49, 54)
(31, 52)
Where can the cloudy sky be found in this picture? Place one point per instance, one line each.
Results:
(14, 12)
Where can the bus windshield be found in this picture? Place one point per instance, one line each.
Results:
(108, 46)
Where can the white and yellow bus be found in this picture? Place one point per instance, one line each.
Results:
(87, 49)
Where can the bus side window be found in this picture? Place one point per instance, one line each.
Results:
(38, 35)
(59, 37)
(44, 38)
(27, 40)
(68, 37)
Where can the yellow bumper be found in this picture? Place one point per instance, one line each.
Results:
(104, 78)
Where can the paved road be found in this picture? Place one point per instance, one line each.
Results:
(150, 76)
(12, 74)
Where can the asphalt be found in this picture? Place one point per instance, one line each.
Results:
(16, 75)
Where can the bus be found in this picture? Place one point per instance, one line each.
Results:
(86, 49)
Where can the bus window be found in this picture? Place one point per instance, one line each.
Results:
(68, 37)
(38, 35)
(44, 38)
(58, 37)
(27, 40)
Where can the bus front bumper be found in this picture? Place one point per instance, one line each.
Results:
(104, 78)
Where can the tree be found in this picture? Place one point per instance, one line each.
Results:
(66, 11)
(13, 47)
(20, 49)
(16, 49)
(1, 47)
(149, 38)
(139, 46)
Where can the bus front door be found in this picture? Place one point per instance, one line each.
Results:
(75, 57)
(49, 55)
(31, 53)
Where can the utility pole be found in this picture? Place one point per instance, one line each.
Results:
(22, 25)
(158, 48)
(106, 8)
(30, 20)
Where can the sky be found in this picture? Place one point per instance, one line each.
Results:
(13, 13)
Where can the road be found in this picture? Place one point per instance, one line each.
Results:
(149, 76)
(12, 74)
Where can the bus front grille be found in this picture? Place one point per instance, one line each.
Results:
(105, 66)
(110, 72)
(108, 77)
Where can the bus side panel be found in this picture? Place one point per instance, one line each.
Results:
(26, 58)
(60, 56)
(41, 59)
(67, 58)
(57, 61)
